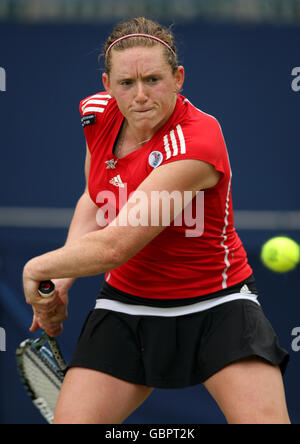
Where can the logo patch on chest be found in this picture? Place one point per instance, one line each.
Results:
(155, 159)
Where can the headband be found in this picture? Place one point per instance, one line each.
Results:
(139, 35)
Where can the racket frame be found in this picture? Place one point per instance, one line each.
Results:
(52, 358)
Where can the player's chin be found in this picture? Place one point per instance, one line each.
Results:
(149, 122)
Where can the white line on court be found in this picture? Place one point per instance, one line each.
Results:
(22, 217)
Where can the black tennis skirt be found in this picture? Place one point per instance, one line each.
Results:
(176, 351)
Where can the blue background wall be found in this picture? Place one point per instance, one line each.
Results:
(241, 75)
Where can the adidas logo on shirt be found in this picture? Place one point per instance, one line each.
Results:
(117, 181)
(245, 289)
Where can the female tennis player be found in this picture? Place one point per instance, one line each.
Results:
(178, 305)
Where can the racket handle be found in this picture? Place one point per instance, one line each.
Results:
(46, 289)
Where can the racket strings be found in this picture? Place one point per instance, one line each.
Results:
(41, 378)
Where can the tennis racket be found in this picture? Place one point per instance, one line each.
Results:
(41, 366)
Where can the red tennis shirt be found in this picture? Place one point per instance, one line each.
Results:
(183, 261)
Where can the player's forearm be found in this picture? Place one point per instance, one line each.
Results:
(92, 254)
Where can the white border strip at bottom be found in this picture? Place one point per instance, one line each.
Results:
(143, 310)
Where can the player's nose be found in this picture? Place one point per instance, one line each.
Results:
(140, 96)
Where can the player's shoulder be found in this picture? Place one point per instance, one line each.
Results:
(192, 133)
(201, 127)
(95, 103)
(196, 118)
(191, 126)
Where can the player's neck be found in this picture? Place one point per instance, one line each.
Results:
(135, 136)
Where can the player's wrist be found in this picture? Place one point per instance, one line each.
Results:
(33, 272)
(63, 285)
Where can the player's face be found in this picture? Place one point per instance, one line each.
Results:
(144, 86)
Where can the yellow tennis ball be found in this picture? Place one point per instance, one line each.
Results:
(280, 254)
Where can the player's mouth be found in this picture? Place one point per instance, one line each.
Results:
(143, 111)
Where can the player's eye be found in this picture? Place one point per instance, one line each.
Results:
(126, 82)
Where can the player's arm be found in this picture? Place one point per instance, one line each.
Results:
(100, 251)
(83, 221)
(84, 218)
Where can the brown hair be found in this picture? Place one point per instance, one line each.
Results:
(141, 25)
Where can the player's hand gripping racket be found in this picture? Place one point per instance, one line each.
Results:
(42, 368)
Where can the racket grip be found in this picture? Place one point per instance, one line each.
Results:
(46, 289)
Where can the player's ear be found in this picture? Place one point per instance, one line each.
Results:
(179, 78)
(106, 83)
